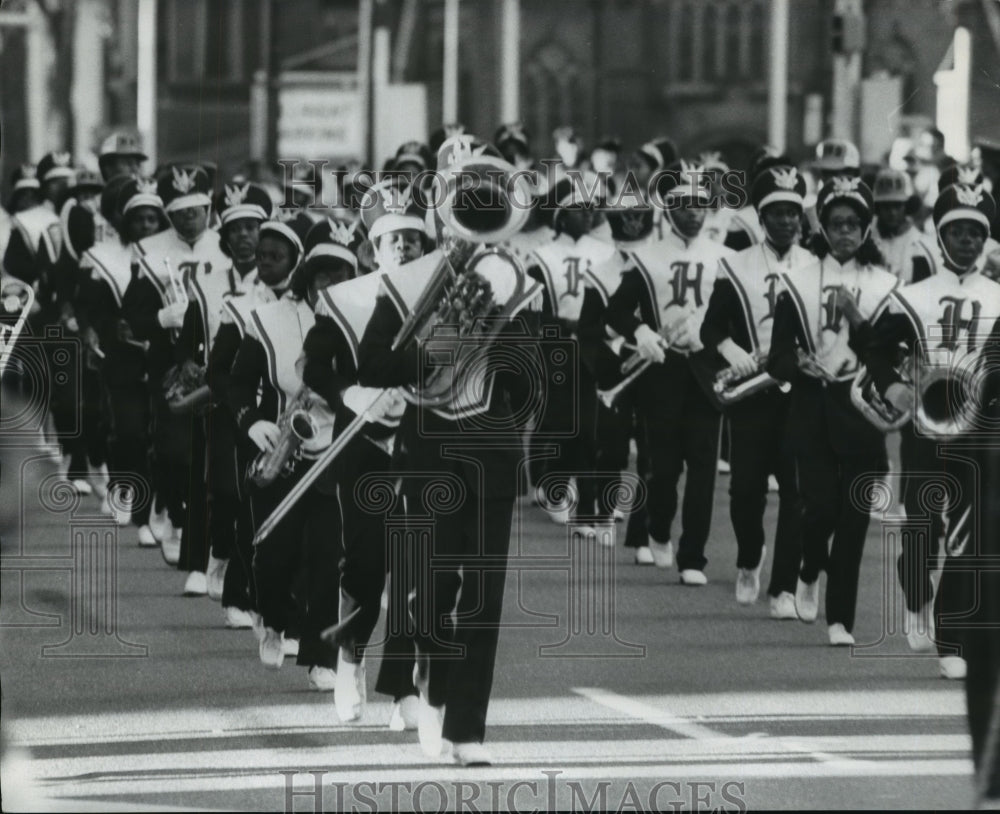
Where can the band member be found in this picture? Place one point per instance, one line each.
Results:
(331, 351)
(455, 660)
(738, 325)
(308, 539)
(241, 211)
(154, 305)
(834, 444)
(659, 307)
(135, 212)
(903, 246)
(569, 418)
(948, 321)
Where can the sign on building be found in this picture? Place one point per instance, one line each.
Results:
(320, 116)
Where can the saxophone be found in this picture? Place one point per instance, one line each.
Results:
(297, 427)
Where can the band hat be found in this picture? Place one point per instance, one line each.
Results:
(659, 152)
(288, 232)
(110, 197)
(963, 202)
(851, 190)
(959, 174)
(778, 184)
(512, 132)
(712, 161)
(247, 200)
(26, 177)
(388, 206)
(55, 165)
(139, 192)
(87, 179)
(682, 179)
(182, 188)
(442, 134)
(122, 143)
(892, 186)
(837, 154)
(334, 237)
(412, 152)
(631, 224)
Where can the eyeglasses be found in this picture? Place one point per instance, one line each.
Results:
(843, 225)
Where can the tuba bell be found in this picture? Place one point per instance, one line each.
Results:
(948, 399)
(880, 412)
(16, 301)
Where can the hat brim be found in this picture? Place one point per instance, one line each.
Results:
(285, 231)
(780, 196)
(964, 213)
(333, 250)
(394, 223)
(143, 200)
(243, 211)
(189, 201)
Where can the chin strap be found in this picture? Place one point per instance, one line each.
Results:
(949, 261)
(864, 237)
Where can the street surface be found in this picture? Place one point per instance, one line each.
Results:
(120, 694)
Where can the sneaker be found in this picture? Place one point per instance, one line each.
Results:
(196, 585)
(170, 546)
(643, 556)
(159, 524)
(783, 606)
(122, 506)
(839, 637)
(772, 484)
(81, 487)
(919, 627)
(952, 667)
(723, 467)
(290, 647)
(404, 714)
(559, 516)
(322, 679)
(270, 650)
(618, 515)
(146, 538)
(471, 754)
(238, 619)
(807, 600)
(108, 511)
(663, 553)
(430, 721)
(346, 695)
(259, 631)
(692, 576)
(99, 479)
(748, 582)
(216, 577)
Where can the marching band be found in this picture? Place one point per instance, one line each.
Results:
(292, 385)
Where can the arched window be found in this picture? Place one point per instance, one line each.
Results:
(713, 41)
(553, 90)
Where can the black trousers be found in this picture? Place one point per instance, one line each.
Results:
(399, 651)
(172, 448)
(363, 566)
(682, 430)
(760, 447)
(307, 542)
(463, 572)
(194, 541)
(637, 526)
(129, 441)
(831, 454)
(239, 589)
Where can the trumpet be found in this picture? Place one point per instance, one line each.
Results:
(730, 388)
(176, 284)
(17, 297)
(297, 427)
(632, 367)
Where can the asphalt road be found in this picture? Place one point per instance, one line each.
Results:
(616, 688)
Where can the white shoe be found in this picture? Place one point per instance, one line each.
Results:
(919, 627)
(82, 487)
(807, 600)
(257, 623)
(159, 524)
(237, 619)
(839, 636)
(170, 546)
(952, 667)
(346, 696)
(322, 679)
(559, 516)
(146, 538)
(748, 582)
(618, 515)
(123, 512)
(196, 585)
(270, 649)
(290, 647)
(471, 754)
(107, 511)
(430, 721)
(723, 467)
(404, 715)
(783, 606)
(772, 484)
(216, 577)
(692, 576)
(643, 556)
(663, 553)
(99, 478)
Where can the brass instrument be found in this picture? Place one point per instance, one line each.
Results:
(880, 412)
(477, 208)
(632, 367)
(176, 284)
(297, 427)
(16, 297)
(948, 398)
(729, 388)
(185, 389)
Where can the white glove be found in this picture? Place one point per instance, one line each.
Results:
(387, 409)
(834, 351)
(264, 434)
(686, 334)
(743, 363)
(900, 396)
(172, 316)
(649, 344)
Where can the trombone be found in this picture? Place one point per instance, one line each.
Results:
(17, 297)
